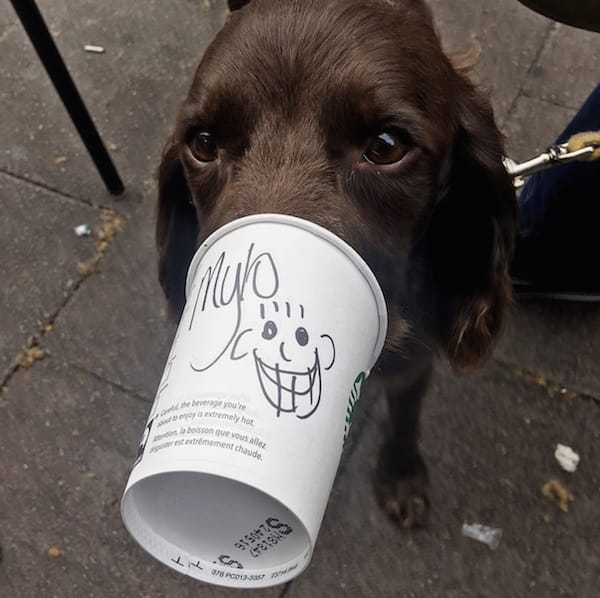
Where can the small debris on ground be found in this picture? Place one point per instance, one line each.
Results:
(567, 457)
(60, 160)
(111, 224)
(568, 394)
(508, 484)
(555, 491)
(113, 147)
(483, 533)
(93, 49)
(30, 356)
(83, 230)
(86, 268)
(54, 552)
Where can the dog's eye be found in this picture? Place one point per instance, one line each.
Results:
(203, 147)
(386, 148)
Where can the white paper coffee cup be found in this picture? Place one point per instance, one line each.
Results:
(282, 323)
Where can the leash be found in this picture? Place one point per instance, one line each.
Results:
(580, 147)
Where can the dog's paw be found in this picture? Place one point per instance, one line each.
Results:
(404, 497)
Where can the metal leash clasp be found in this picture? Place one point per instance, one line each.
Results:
(554, 155)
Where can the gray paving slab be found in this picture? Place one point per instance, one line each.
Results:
(62, 491)
(8, 20)
(567, 68)
(489, 440)
(558, 340)
(132, 90)
(509, 36)
(533, 126)
(38, 265)
(39, 142)
(116, 326)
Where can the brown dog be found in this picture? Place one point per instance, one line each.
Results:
(347, 113)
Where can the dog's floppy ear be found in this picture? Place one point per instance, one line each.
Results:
(176, 228)
(471, 237)
(236, 4)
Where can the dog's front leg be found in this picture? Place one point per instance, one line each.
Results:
(401, 479)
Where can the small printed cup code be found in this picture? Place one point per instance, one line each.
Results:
(256, 542)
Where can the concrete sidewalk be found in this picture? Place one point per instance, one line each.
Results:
(81, 352)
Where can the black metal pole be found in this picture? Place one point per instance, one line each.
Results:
(44, 45)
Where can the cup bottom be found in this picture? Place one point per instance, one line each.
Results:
(216, 529)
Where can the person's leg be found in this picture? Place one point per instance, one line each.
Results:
(558, 246)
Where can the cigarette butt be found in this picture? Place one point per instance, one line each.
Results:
(94, 49)
(54, 552)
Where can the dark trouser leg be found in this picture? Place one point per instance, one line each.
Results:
(559, 245)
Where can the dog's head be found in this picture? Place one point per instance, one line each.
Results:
(347, 113)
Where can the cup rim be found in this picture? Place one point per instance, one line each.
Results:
(318, 231)
(144, 534)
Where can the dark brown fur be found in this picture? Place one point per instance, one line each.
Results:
(293, 90)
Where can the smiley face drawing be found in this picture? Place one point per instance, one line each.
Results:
(287, 357)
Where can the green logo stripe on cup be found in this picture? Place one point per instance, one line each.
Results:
(352, 402)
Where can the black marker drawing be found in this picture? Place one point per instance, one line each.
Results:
(288, 363)
(223, 285)
(287, 356)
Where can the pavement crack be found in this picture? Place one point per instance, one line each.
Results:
(50, 189)
(520, 90)
(25, 360)
(112, 224)
(553, 387)
(121, 387)
(8, 31)
(549, 102)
